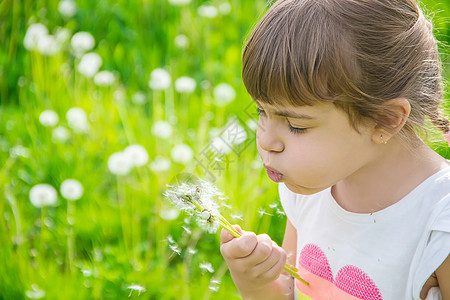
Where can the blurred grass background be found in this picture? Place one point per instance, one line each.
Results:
(120, 239)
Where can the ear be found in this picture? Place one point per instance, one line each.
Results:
(396, 113)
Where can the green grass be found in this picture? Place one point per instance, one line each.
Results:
(114, 236)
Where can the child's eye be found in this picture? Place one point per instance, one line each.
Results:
(296, 130)
(259, 111)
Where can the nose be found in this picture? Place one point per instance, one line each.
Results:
(268, 139)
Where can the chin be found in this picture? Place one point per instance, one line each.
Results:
(302, 190)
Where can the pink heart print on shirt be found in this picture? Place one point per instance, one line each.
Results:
(350, 283)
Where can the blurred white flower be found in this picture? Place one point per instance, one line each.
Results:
(60, 134)
(179, 2)
(34, 33)
(19, 150)
(214, 285)
(234, 133)
(223, 94)
(160, 164)
(82, 42)
(139, 98)
(71, 189)
(48, 45)
(206, 266)
(89, 64)
(185, 84)
(182, 154)
(119, 163)
(169, 213)
(221, 147)
(225, 8)
(43, 195)
(182, 41)
(162, 129)
(119, 94)
(159, 79)
(35, 292)
(104, 78)
(137, 155)
(77, 119)
(207, 11)
(49, 118)
(67, 8)
(252, 124)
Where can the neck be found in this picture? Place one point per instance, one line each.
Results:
(388, 178)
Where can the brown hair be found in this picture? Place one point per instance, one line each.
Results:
(355, 54)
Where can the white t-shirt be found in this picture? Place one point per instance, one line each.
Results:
(385, 255)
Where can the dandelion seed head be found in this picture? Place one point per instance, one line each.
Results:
(139, 98)
(104, 78)
(77, 119)
(60, 134)
(43, 195)
(119, 163)
(35, 292)
(48, 45)
(89, 64)
(185, 85)
(67, 8)
(182, 41)
(82, 42)
(71, 189)
(160, 164)
(137, 155)
(224, 94)
(159, 79)
(49, 118)
(34, 33)
(207, 11)
(162, 129)
(182, 154)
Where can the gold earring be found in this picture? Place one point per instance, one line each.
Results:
(383, 141)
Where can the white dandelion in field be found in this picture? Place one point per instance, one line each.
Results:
(225, 8)
(71, 189)
(19, 150)
(207, 11)
(77, 119)
(49, 118)
(43, 195)
(219, 146)
(159, 79)
(182, 154)
(139, 98)
(138, 288)
(89, 64)
(104, 78)
(60, 134)
(162, 129)
(48, 45)
(137, 155)
(67, 8)
(202, 200)
(34, 33)
(35, 292)
(206, 266)
(179, 2)
(169, 213)
(223, 94)
(234, 133)
(119, 163)
(160, 164)
(185, 85)
(181, 41)
(82, 42)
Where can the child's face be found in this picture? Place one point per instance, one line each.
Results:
(323, 150)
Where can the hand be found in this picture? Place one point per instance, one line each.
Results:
(254, 260)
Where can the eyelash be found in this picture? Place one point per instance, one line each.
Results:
(294, 130)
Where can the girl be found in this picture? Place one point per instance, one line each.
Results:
(342, 87)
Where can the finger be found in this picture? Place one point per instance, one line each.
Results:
(226, 236)
(273, 265)
(239, 247)
(262, 250)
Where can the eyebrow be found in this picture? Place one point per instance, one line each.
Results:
(290, 114)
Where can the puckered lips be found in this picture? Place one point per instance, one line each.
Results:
(273, 173)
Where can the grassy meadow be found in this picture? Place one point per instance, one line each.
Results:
(102, 105)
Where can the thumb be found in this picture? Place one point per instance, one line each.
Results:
(225, 236)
